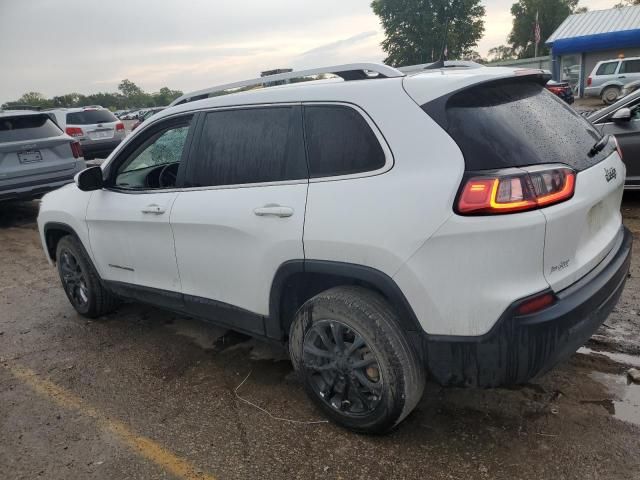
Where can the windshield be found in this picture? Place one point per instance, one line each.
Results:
(517, 123)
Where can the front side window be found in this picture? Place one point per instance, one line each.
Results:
(154, 164)
(630, 66)
(340, 142)
(253, 145)
(608, 68)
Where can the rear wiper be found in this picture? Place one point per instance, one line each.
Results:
(599, 146)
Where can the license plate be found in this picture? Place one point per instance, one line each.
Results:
(29, 156)
(101, 134)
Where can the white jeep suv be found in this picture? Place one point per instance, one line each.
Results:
(457, 224)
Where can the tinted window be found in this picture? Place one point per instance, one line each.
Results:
(516, 123)
(28, 127)
(249, 146)
(630, 66)
(89, 117)
(608, 68)
(340, 142)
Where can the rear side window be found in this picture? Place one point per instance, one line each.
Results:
(340, 142)
(516, 123)
(31, 127)
(253, 145)
(89, 117)
(608, 68)
(630, 66)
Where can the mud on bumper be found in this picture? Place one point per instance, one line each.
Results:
(520, 347)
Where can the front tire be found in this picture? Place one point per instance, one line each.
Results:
(80, 280)
(354, 359)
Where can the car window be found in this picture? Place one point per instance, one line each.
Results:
(630, 66)
(89, 117)
(340, 142)
(253, 145)
(162, 151)
(27, 127)
(608, 68)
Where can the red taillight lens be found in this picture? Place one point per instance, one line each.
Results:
(617, 146)
(516, 192)
(119, 126)
(76, 149)
(556, 90)
(536, 304)
(74, 131)
(588, 81)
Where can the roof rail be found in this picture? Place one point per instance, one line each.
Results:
(447, 64)
(23, 107)
(353, 71)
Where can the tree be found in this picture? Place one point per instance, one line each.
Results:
(165, 96)
(500, 53)
(551, 13)
(415, 29)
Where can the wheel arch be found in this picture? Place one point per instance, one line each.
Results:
(296, 281)
(53, 232)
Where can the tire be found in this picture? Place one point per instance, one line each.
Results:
(80, 280)
(371, 399)
(610, 95)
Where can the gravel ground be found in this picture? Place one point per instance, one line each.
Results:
(146, 394)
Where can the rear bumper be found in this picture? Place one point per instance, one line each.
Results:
(30, 189)
(101, 149)
(520, 347)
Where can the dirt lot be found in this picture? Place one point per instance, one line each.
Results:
(145, 394)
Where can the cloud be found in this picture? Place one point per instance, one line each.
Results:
(337, 45)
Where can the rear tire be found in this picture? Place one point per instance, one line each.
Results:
(354, 359)
(610, 95)
(80, 280)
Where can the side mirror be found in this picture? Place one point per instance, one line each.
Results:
(622, 115)
(89, 179)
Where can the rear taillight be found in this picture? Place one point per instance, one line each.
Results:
(76, 149)
(617, 146)
(556, 90)
(515, 191)
(589, 81)
(74, 131)
(535, 304)
(119, 126)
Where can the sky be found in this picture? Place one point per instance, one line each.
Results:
(86, 46)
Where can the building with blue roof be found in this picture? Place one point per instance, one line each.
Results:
(584, 39)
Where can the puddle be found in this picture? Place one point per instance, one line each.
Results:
(623, 358)
(625, 401)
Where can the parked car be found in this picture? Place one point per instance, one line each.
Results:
(96, 128)
(622, 119)
(383, 227)
(145, 115)
(609, 77)
(36, 156)
(561, 89)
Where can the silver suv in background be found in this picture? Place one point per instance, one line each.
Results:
(610, 76)
(36, 156)
(97, 129)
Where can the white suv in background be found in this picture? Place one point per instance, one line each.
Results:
(609, 77)
(387, 227)
(97, 129)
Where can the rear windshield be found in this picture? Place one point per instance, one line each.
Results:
(28, 127)
(514, 124)
(89, 117)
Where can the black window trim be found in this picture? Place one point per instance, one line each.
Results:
(141, 137)
(389, 160)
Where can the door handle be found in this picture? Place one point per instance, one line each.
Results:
(274, 211)
(154, 209)
(622, 76)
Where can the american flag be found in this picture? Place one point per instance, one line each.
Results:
(536, 30)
